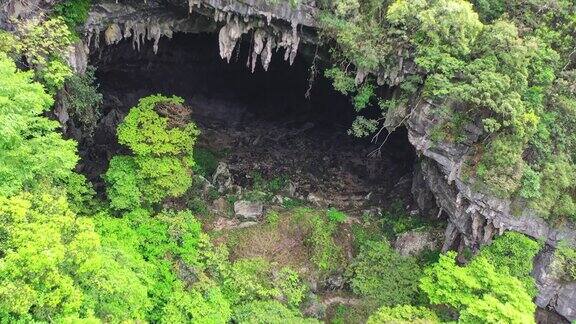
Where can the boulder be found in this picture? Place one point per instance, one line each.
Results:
(315, 199)
(220, 206)
(334, 282)
(222, 177)
(248, 210)
(415, 242)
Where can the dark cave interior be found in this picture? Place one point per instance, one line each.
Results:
(189, 66)
(254, 109)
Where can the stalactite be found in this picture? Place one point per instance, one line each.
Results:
(113, 34)
(267, 36)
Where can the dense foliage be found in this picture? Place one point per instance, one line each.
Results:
(478, 291)
(403, 315)
(80, 97)
(513, 253)
(34, 154)
(504, 66)
(162, 138)
(383, 276)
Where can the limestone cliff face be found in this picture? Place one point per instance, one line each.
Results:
(473, 217)
(21, 9)
(273, 26)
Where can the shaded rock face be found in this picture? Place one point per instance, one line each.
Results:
(21, 9)
(557, 295)
(271, 26)
(474, 218)
(415, 242)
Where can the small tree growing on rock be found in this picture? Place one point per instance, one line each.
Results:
(161, 136)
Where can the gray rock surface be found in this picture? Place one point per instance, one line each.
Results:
(414, 242)
(222, 178)
(559, 295)
(474, 218)
(248, 210)
(220, 206)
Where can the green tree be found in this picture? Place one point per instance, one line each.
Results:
(403, 314)
(171, 259)
(160, 134)
(43, 43)
(45, 252)
(383, 276)
(249, 280)
(478, 291)
(80, 97)
(514, 253)
(273, 312)
(33, 153)
(73, 12)
(204, 304)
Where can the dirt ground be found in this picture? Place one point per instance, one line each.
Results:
(326, 165)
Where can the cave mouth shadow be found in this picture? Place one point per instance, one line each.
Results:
(228, 95)
(189, 66)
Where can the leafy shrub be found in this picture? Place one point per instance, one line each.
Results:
(514, 253)
(502, 167)
(272, 217)
(42, 40)
(261, 312)
(403, 314)
(162, 138)
(273, 185)
(478, 291)
(54, 74)
(82, 100)
(33, 153)
(80, 194)
(123, 191)
(530, 187)
(205, 162)
(45, 250)
(326, 254)
(334, 215)
(43, 44)
(291, 287)
(383, 276)
(73, 12)
(198, 206)
(564, 263)
(396, 220)
(205, 304)
(249, 280)
(276, 184)
(291, 203)
(170, 254)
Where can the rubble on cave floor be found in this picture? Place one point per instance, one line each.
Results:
(323, 166)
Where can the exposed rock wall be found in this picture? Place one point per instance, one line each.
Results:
(474, 217)
(271, 26)
(557, 295)
(21, 9)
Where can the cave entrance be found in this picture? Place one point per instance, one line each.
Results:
(257, 122)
